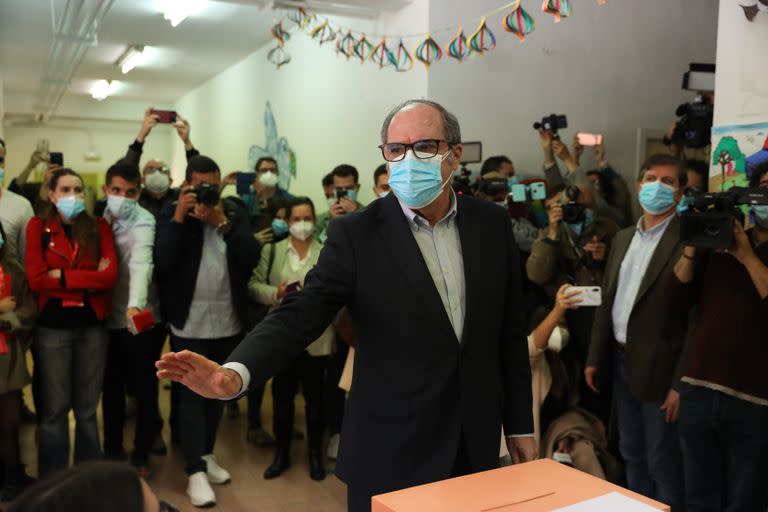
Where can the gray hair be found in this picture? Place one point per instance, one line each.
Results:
(450, 123)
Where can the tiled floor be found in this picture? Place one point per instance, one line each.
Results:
(294, 491)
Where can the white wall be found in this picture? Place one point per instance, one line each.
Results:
(330, 110)
(612, 69)
(740, 44)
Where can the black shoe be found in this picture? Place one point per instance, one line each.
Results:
(316, 466)
(233, 410)
(16, 480)
(281, 463)
(158, 446)
(260, 437)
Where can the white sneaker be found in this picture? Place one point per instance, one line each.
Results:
(333, 446)
(199, 491)
(216, 474)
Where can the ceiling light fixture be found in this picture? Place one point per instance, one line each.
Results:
(102, 89)
(130, 58)
(177, 11)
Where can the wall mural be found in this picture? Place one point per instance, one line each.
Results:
(737, 149)
(276, 147)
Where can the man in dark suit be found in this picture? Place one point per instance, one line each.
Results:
(432, 283)
(639, 346)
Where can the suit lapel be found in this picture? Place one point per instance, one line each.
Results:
(406, 256)
(472, 247)
(664, 251)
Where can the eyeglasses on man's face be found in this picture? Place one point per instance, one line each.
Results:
(422, 149)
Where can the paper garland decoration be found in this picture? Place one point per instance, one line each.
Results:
(401, 59)
(558, 8)
(323, 33)
(300, 17)
(363, 49)
(381, 55)
(519, 22)
(428, 51)
(278, 56)
(280, 34)
(482, 40)
(346, 45)
(458, 47)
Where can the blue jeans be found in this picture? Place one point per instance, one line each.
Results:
(725, 448)
(649, 445)
(70, 366)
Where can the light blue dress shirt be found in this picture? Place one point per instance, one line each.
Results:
(633, 268)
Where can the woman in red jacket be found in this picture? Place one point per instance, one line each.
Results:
(71, 268)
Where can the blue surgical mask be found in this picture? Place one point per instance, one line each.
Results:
(657, 197)
(352, 195)
(417, 183)
(685, 203)
(121, 207)
(70, 207)
(2, 174)
(280, 228)
(578, 228)
(760, 212)
(512, 181)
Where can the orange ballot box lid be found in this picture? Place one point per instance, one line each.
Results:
(532, 487)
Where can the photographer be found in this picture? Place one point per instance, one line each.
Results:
(698, 174)
(35, 193)
(381, 186)
(494, 188)
(500, 164)
(346, 186)
(634, 349)
(724, 390)
(204, 255)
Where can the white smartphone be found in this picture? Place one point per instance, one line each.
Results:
(589, 139)
(591, 296)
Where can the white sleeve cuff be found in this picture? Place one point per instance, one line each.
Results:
(245, 376)
(519, 435)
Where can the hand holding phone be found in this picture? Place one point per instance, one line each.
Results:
(589, 139)
(165, 116)
(57, 158)
(591, 296)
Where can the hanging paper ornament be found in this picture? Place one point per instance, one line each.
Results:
(363, 49)
(558, 8)
(482, 40)
(346, 45)
(381, 55)
(458, 47)
(401, 59)
(519, 22)
(300, 17)
(278, 56)
(428, 52)
(323, 33)
(280, 34)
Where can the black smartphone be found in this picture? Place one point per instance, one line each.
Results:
(340, 193)
(57, 158)
(244, 182)
(293, 287)
(165, 116)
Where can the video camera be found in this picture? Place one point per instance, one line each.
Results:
(552, 123)
(708, 223)
(472, 154)
(694, 125)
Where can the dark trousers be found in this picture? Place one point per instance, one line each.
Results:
(649, 445)
(725, 450)
(200, 416)
(358, 501)
(131, 363)
(335, 397)
(71, 371)
(310, 372)
(255, 397)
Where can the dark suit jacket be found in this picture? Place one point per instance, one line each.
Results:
(416, 390)
(655, 340)
(179, 250)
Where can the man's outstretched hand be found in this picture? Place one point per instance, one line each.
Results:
(201, 375)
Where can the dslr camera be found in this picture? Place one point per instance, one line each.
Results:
(207, 194)
(573, 212)
(709, 220)
(552, 123)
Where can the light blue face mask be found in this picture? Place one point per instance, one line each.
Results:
(2, 174)
(579, 228)
(121, 207)
(70, 207)
(416, 182)
(280, 228)
(760, 212)
(512, 181)
(657, 198)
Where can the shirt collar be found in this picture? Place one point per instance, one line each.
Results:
(417, 221)
(656, 229)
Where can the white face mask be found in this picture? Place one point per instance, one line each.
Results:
(383, 194)
(302, 230)
(331, 202)
(268, 179)
(559, 339)
(157, 182)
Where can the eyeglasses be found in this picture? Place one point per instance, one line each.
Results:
(167, 507)
(422, 149)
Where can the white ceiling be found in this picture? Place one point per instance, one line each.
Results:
(178, 60)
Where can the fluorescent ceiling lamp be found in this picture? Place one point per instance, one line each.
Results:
(102, 89)
(130, 58)
(177, 11)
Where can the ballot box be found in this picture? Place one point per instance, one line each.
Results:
(532, 487)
